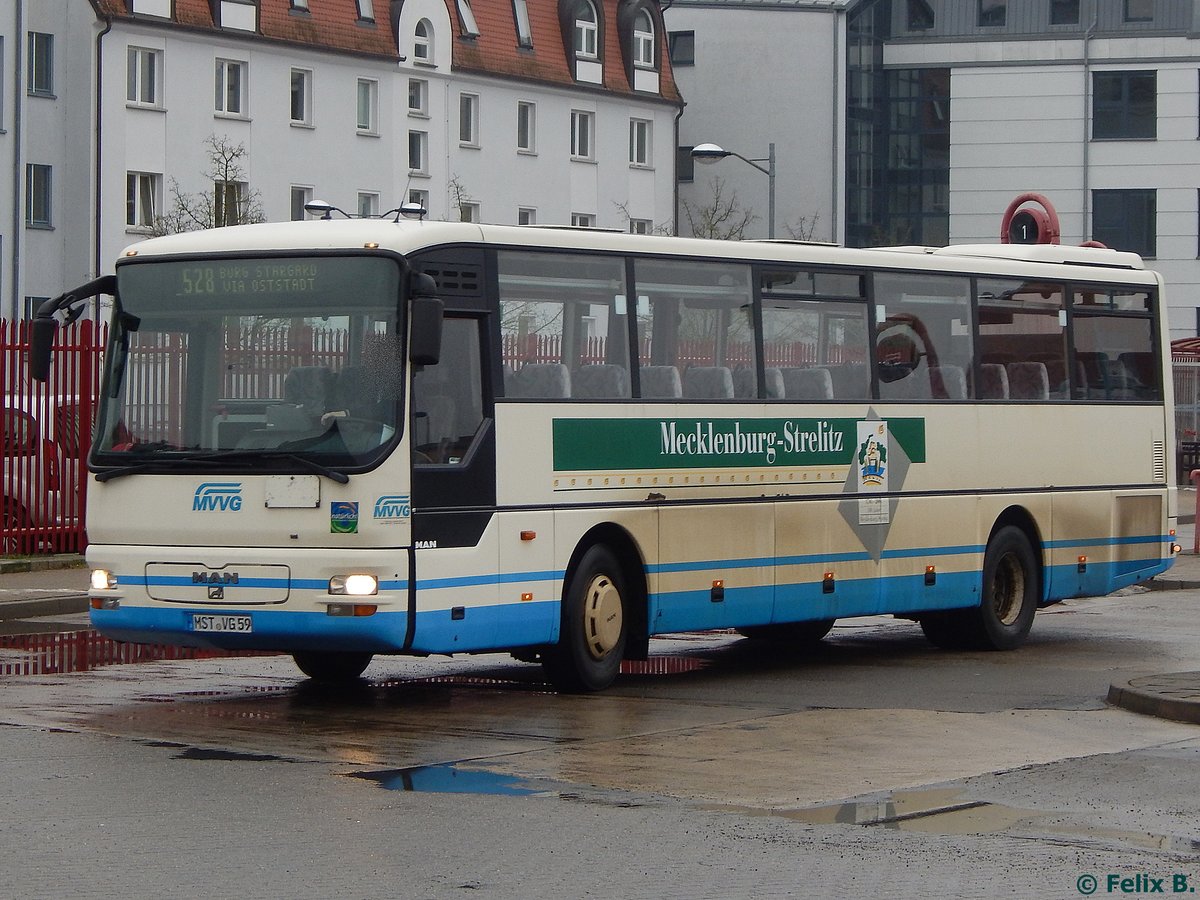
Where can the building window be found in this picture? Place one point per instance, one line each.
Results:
(231, 87)
(143, 199)
(423, 42)
(581, 133)
(143, 71)
(37, 195)
(230, 202)
(41, 63)
(300, 198)
(526, 127)
(419, 198)
(31, 306)
(920, 15)
(524, 32)
(583, 220)
(640, 226)
(368, 204)
(1124, 105)
(468, 120)
(302, 80)
(302, 6)
(1126, 220)
(1139, 10)
(366, 10)
(643, 40)
(468, 211)
(682, 45)
(1064, 12)
(418, 97)
(586, 30)
(368, 105)
(640, 131)
(418, 142)
(993, 12)
(467, 18)
(685, 165)
(526, 215)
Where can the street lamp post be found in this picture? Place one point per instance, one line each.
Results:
(711, 153)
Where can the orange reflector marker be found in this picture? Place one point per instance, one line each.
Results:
(365, 609)
(1083, 564)
(526, 597)
(528, 535)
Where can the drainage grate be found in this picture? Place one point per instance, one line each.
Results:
(79, 651)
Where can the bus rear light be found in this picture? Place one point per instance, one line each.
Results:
(1176, 548)
(351, 609)
(354, 585)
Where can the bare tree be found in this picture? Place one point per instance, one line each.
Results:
(231, 202)
(655, 227)
(723, 217)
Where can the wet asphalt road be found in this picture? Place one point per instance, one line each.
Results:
(875, 766)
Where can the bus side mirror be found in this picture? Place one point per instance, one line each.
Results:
(425, 331)
(40, 342)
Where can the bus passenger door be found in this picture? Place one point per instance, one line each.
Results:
(452, 433)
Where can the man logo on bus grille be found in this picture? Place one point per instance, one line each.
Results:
(218, 496)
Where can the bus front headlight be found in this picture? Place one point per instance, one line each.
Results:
(103, 580)
(354, 585)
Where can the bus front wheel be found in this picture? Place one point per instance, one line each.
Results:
(332, 666)
(594, 626)
(1010, 597)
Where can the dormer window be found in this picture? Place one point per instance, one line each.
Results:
(643, 40)
(524, 34)
(366, 10)
(423, 42)
(467, 18)
(586, 30)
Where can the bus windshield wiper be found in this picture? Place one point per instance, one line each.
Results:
(221, 456)
(251, 455)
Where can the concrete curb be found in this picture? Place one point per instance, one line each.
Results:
(43, 606)
(41, 563)
(1175, 696)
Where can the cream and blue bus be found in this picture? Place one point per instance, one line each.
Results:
(337, 439)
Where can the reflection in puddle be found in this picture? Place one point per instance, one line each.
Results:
(449, 779)
(945, 811)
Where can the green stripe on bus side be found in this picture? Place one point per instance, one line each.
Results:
(583, 445)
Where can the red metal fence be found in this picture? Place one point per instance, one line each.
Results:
(78, 651)
(44, 440)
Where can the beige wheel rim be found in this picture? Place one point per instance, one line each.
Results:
(602, 617)
(1008, 589)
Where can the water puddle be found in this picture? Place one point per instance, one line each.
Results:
(450, 779)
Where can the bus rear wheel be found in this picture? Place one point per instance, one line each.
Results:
(1010, 597)
(594, 626)
(332, 666)
(799, 634)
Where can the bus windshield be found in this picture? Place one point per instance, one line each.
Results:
(282, 361)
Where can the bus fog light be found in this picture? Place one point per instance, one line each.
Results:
(354, 585)
(103, 580)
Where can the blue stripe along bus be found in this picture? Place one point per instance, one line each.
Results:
(341, 439)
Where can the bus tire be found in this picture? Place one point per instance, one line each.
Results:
(800, 634)
(332, 666)
(1009, 600)
(594, 627)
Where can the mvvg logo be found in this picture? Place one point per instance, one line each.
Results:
(218, 496)
(396, 506)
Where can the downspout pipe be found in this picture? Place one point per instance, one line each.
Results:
(18, 193)
(98, 174)
(1085, 228)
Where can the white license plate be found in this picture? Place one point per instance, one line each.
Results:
(234, 624)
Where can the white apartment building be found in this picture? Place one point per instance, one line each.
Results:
(535, 111)
(935, 114)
